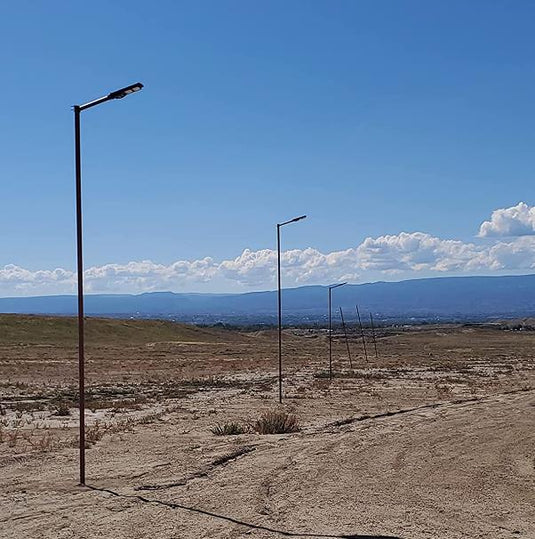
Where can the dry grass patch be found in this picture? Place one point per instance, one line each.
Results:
(96, 432)
(229, 429)
(62, 409)
(276, 422)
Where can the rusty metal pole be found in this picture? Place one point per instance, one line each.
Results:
(117, 94)
(330, 338)
(347, 341)
(373, 334)
(80, 272)
(362, 333)
(279, 296)
(330, 288)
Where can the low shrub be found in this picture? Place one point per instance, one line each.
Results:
(276, 422)
(229, 429)
(62, 409)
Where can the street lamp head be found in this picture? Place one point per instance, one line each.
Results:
(123, 92)
(292, 220)
(336, 285)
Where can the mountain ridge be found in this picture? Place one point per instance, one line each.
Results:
(464, 297)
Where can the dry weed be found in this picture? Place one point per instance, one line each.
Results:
(40, 441)
(229, 429)
(62, 409)
(276, 422)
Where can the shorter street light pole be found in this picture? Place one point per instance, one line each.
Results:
(118, 94)
(279, 294)
(331, 287)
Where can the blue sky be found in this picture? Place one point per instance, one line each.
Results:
(375, 118)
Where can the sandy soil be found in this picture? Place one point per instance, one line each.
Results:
(433, 439)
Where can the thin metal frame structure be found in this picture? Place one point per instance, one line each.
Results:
(373, 335)
(279, 294)
(331, 287)
(345, 334)
(362, 333)
(118, 94)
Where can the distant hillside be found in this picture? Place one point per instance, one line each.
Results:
(446, 297)
(23, 329)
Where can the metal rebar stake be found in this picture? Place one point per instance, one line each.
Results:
(362, 333)
(347, 341)
(373, 334)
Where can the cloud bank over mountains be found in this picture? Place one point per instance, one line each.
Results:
(405, 255)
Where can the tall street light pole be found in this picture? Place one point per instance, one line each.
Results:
(118, 94)
(279, 294)
(331, 287)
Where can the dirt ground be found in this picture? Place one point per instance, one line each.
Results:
(433, 438)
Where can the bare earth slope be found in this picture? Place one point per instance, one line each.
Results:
(457, 470)
(434, 439)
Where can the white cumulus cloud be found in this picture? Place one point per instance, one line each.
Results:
(15, 280)
(518, 254)
(518, 220)
(301, 266)
(417, 252)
